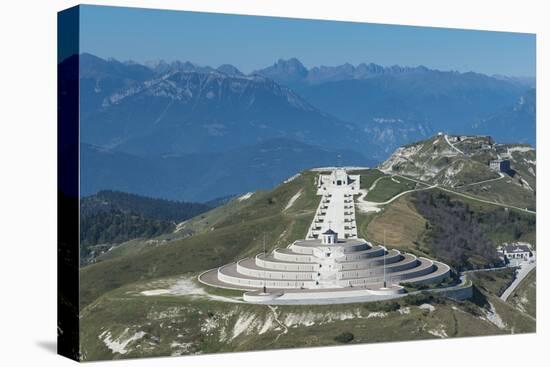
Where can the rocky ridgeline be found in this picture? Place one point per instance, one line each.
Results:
(460, 160)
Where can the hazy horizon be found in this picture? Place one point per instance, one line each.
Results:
(149, 63)
(254, 42)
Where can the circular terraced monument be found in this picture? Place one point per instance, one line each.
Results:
(332, 265)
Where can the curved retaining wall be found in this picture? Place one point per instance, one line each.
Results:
(365, 254)
(367, 273)
(292, 257)
(259, 283)
(370, 262)
(356, 248)
(418, 272)
(309, 250)
(302, 249)
(445, 273)
(287, 266)
(395, 278)
(287, 269)
(272, 274)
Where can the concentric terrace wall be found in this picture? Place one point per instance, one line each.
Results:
(322, 262)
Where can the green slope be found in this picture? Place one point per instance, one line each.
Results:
(203, 322)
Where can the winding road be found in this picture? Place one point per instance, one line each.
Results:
(501, 176)
(367, 206)
(525, 210)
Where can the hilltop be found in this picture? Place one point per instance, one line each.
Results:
(463, 161)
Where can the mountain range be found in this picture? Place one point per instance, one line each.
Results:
(397, 105)
(159, 120)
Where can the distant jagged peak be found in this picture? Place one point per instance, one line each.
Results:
(230, 70)
(293, 71)
(290, 70)
(291, 65)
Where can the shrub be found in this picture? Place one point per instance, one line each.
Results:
(344, 337)
(421, 298)
(387, 306)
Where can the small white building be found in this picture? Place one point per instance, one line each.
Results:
(516, 251)
(329, 237)
(339, 177)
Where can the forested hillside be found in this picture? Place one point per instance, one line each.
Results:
(112, 217)
(149, 207)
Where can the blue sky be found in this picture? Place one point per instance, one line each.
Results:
(250, 42)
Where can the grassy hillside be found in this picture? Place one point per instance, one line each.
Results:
(230, 238)
(401, 223)
(504, 191)
(493, 282)
(369, 176)
(489, 286)
(199, 224)
(434, 230)
(204, 320)
(387, 187)
(524, 163)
